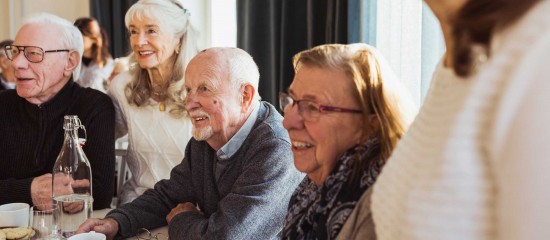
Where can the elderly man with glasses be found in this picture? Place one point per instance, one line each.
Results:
(45, 56)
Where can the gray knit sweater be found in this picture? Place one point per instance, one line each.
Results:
(248, 201)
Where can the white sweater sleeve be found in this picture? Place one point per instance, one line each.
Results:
(520, 149)
(116, 92)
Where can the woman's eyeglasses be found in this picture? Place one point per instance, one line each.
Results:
(32, 53)
(145, 234)
(309, 109)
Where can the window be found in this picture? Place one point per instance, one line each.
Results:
(224, 23)
(406, 32)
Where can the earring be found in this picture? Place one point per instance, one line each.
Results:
(177, 51)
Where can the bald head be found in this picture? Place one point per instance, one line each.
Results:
(221, 88)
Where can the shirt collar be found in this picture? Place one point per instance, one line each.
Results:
(231, 147)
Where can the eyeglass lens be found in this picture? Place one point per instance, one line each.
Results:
(33, 54)
(145, 234)
(307, 109)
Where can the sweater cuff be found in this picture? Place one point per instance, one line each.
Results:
(20, 191)
(124, 224)
(188, 225)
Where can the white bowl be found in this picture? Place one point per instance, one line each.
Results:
(89, 236)
(14, 215)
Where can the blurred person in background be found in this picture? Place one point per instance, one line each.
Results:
(149, 98)
(31, 116)
(345, 111)
(474, 163)
(7, 78)
(97, 63)
(121, 64)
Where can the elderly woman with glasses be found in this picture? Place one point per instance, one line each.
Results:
(344, 116)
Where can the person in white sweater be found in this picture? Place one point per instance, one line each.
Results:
(474, 163)
(149, 99)
(97, 63)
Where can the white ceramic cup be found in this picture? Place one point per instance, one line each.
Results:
(89, 236)
(14, 215)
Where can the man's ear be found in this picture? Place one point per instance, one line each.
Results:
(247, 96)
(72, 61)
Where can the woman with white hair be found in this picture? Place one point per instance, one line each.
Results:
(149, 98)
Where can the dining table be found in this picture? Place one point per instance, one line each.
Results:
(161, 230)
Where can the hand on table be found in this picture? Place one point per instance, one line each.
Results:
(181, 208)
(107, 226)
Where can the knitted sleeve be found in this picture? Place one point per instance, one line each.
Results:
(256, 205)
(116, 92)
(150, 209)
(12, 189)
(520, 148)
(98, 119)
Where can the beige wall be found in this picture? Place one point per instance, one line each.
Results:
(4, 19)
(13, 12)
(205, 14)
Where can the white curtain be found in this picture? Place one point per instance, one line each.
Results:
(406, 32)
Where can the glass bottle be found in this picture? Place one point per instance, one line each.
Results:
(72, 179)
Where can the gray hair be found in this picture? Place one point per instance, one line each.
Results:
(71, 38)
(243, 69)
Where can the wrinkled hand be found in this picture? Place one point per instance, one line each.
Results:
(41, 190)
(62, 184)
(107, 226)
(181, 208)
(73, 207)
(82, 184)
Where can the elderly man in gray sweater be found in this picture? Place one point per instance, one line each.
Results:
(237, 174)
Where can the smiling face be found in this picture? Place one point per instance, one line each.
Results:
(39, 82)
(318, 144)
(212, 102)
(153, 45)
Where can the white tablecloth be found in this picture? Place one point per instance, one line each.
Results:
(103, 212)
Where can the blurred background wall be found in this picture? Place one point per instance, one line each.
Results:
(13, 12)
(216, 19)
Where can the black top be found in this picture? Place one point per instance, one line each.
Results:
(31, 137)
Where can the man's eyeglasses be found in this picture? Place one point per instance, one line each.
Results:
(32, 53)
(309, 109)
(144, 234)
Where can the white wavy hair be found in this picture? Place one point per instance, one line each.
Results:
(175, 16)
(71, 38)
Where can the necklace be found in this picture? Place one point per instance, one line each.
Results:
(162, 107)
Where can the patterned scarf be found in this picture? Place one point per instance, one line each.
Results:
(320, 212)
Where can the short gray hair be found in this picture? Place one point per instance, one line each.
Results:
(71, 38)
(243, 69)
